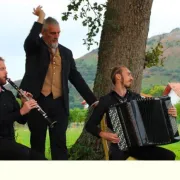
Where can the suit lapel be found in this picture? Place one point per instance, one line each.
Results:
(46, 53)
(63, 62)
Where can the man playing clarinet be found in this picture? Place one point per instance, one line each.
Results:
(9, 113)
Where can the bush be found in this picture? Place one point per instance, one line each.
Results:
(77, 115)
(178, 112)
(146, 90)
(157, 90)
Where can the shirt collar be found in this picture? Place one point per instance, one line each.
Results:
(125, 96)
(2, 89)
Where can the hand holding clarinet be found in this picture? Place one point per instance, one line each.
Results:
(29, 103)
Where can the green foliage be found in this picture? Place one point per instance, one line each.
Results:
(146, 90)
(157, 90)
(77, 115)
(178, 111)
(81, 152)
(93, 23)
(154, 56)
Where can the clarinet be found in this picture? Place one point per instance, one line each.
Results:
(21, 93)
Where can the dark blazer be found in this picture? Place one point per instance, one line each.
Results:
(37, 63)
(9, 113)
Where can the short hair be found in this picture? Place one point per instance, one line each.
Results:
(49, 21)
(116, 70)
(1, 59)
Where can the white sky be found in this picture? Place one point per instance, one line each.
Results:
(17, 19)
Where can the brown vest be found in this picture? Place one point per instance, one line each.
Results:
(52, 82)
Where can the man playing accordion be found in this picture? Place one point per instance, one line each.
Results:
(122, 79)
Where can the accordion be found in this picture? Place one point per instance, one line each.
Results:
(143, 122)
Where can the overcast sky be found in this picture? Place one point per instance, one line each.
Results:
(17, 19)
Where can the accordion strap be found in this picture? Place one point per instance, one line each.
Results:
(118, 98)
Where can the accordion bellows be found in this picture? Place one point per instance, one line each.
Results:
(143, 122)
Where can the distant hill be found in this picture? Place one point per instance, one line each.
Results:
(170, 72)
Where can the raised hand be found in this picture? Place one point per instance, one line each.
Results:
(40, 13)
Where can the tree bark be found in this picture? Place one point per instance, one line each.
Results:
(123, 41)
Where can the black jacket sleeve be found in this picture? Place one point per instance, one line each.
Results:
(10, 111)
(79, 83)
(10, 117)
(32, 42)
(96, 117)
(20, 119)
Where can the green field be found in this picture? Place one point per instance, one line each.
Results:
(23, 135)
(175, 148)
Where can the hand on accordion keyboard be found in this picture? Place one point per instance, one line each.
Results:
(172, 111)
(112, 137)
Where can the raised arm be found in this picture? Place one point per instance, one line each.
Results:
(32, 41)
(39, 13)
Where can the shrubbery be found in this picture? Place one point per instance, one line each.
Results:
(178, 112)
(154, 91)
(77, 115)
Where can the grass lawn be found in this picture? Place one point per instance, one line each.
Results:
(175, 148)
(23, 135)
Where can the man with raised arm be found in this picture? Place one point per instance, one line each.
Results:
(49, 66)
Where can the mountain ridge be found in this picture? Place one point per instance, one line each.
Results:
(158, 75)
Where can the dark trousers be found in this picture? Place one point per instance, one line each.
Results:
(10, 150)
(38, 127)
(142, 153)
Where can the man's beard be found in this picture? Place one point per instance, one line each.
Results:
(128, 85)
(53, 45)
(2, 82)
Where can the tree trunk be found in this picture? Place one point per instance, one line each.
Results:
(123, 41)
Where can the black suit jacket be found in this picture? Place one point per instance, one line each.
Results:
(9, 113)
(37, 63)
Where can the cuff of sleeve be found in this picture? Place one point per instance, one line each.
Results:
(94, 103)
(98, 130)
(17, 115)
